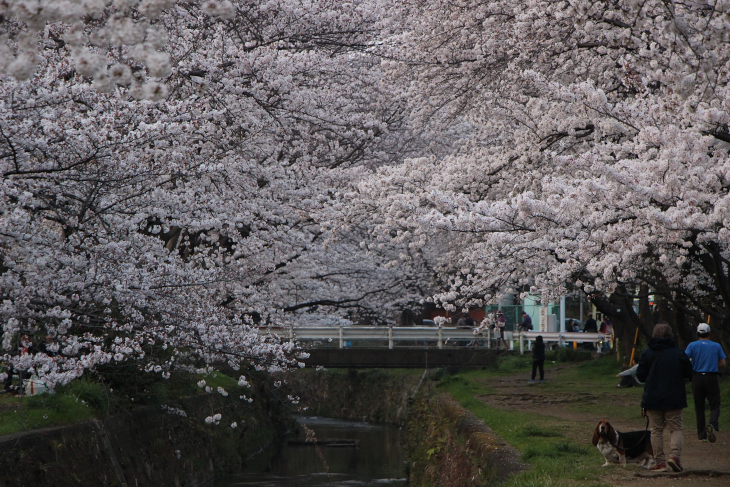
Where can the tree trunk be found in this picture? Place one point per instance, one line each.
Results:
(619, 308)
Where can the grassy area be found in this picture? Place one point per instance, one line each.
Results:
(88, 398)
(21, 414)
(558, 451)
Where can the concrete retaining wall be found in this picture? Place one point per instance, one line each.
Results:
(379, 396)
(449, 446)
(146, 447)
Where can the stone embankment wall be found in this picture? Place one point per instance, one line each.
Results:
(151, 447)
(374, 395)
(449, 446)
(144, 447)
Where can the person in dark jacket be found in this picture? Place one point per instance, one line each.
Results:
(591, 325)
(664, 368)
(538, 359)
(526, 324)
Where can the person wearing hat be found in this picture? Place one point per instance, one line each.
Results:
(707, 357)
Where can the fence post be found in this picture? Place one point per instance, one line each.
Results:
(291, 334)
(522, 344)
(441, 343)
(390, 337)
(489, 338)
(342, 341)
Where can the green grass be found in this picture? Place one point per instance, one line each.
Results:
(558, 451)
(43, 411)
(88, 398)
(514, 363)
(532, 430)
(553, 459)
(217, 379)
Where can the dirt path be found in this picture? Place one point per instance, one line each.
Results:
(549, 399)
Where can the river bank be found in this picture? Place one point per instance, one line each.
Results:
(373, 395)
(148, 445)
(551, 425)
(449, 446)
(173, 445)
(446, 444)
(344, 454)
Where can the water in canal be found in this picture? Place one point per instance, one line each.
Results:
(377, 460)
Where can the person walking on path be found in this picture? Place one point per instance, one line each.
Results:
(707, 357)
(663, 368)
(538, 359)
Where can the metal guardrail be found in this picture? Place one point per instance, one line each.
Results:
(391, 333)
(441, 335)
(562, 337)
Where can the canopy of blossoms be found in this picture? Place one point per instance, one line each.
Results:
(163, 167)
(590, 149)
(175, 173)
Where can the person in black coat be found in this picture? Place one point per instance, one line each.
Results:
(664, 368)
(591, 325)
(538, 359)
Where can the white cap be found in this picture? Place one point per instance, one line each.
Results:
(703, 328)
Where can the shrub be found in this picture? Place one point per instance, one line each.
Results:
(568, 354)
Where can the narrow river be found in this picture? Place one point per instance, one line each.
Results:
(376, 460)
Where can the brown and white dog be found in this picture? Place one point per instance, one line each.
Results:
(616, 447)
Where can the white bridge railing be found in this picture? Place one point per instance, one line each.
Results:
(439, 334)
(563, 337)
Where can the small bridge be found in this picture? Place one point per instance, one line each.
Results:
(419, 347)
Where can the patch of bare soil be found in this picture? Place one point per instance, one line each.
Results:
(706, 464)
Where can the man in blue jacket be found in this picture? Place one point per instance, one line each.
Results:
(663, 368)
(707, 357)
(526, 324)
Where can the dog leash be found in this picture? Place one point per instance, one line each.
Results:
(646, 430)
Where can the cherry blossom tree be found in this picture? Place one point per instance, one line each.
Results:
(176, 172)
(165, 167)
(591, 150)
